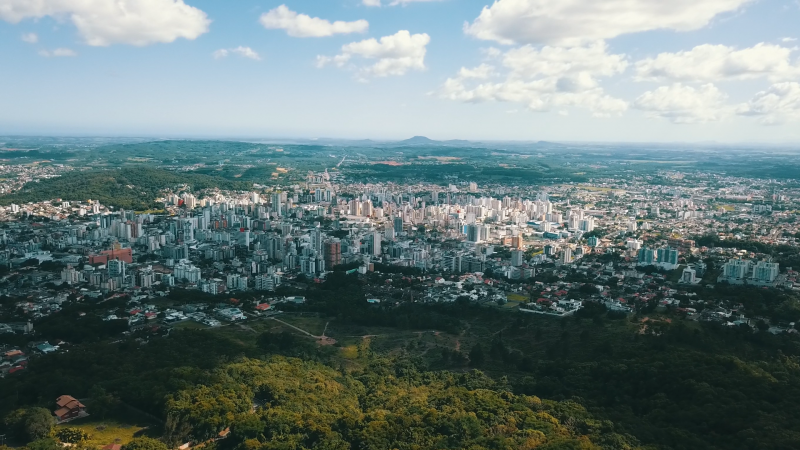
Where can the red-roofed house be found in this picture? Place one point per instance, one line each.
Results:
(69, 408)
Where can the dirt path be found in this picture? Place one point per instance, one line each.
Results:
(296, 328)
(247, 328)
(326, 329)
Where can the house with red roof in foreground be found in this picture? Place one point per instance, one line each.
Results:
(69, 408)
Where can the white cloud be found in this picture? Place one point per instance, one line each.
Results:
(244, 52)
(789, 39)
(30, 38)
(395, 2)
(720, 62)
(575, 22)
(684, 104)
(59, 52)
(545, 79)
(776, 105)
(301, 25)
(555, 61)
(395, 55)
(491, 52)
(481, 72)
(105, 22)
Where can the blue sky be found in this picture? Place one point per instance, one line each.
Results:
(569, 70)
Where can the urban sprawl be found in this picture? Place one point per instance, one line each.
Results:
(631, 246)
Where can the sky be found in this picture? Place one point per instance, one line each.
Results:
(561, 70)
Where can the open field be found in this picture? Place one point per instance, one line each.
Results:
(190, 325)
(104, 432)
(312, 324)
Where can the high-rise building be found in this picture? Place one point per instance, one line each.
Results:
(354, 207)
(647, 256)
(189, 200)
(333, 253)
(398, 225)
(277, 204)
(668, 258)
(316, 239)
(517, 258)
(116, 268)
(473, 233)
(366, 209)
(267, 282)
(736, 269)
(566, 256)
(187, 272)
(376, 243)
(516, 242)
(766, 272)
(586, 225)
(573, 222)
(144, 279)
(70, 276)
(238, 282)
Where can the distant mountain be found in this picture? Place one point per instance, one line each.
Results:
(418, 140)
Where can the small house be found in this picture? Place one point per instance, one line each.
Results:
(69, 408)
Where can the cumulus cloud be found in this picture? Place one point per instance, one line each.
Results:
(103, 22)
(684, 104)
(396, 55)
(301, 25)
(575, 22)
(776, 105)
(481, 72)
(244, 52)
(30, 38)
(394, 2)
(720, 62)
(555, 61)
(544, 79)
(59, 52)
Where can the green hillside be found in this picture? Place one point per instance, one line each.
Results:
(129, 188)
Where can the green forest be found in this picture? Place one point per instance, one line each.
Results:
(488, 379)
(130, 188)
(306, 405)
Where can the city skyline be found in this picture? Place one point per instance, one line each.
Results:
(714, 70)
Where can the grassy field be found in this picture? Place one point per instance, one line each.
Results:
(312, 324)
(190, 325)
(104, 432)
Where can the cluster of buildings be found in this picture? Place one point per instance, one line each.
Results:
(756, 273)
(630, 238)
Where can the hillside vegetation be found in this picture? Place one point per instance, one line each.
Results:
(306, 405)
(129, 188)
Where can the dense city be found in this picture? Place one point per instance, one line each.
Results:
(631, 246)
